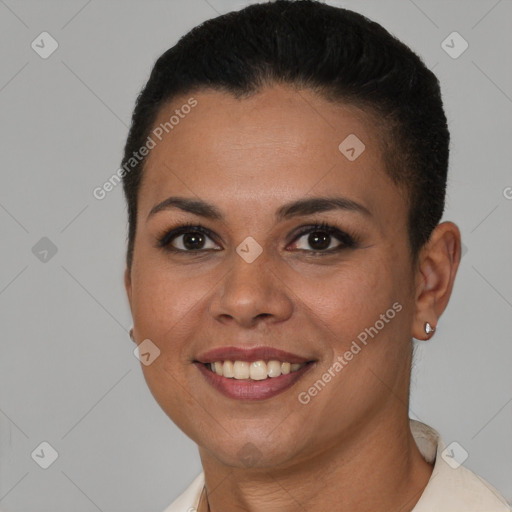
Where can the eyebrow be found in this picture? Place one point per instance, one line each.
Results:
(297, 208)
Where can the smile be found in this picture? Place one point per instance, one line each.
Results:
(251, 374)
(249, 389)
(257, 370)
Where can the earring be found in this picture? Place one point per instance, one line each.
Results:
(131, 335)
(429, 330)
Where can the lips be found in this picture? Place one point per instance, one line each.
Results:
(239, 385)
(250, 355)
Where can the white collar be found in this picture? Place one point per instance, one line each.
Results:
(452, 487)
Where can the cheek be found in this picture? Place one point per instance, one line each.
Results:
(164, 299)
(348, 298)
(174, 394)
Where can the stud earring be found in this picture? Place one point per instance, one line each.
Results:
(429, 330)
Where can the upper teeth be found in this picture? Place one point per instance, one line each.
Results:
(257, 370)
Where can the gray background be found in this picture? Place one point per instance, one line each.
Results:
(67, 372)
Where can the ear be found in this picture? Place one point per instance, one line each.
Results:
(128, 285)
(437, 266)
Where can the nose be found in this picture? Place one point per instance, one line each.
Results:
(251, 293)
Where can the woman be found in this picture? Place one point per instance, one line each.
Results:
(285, 175)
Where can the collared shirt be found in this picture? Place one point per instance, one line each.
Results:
(451, 488)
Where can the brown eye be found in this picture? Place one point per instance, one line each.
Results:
(187, 239)
(323, 239)
(192, 241)
(317, 241)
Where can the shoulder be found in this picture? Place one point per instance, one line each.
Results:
(452, 487)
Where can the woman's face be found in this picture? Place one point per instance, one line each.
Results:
(253, 280)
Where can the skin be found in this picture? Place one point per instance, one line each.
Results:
(350, 447)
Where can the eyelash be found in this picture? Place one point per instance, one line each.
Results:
(346, 240)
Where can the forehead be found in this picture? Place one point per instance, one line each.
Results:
(277, 143)
(278, 116)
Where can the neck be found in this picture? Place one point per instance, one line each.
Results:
(378, 468)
